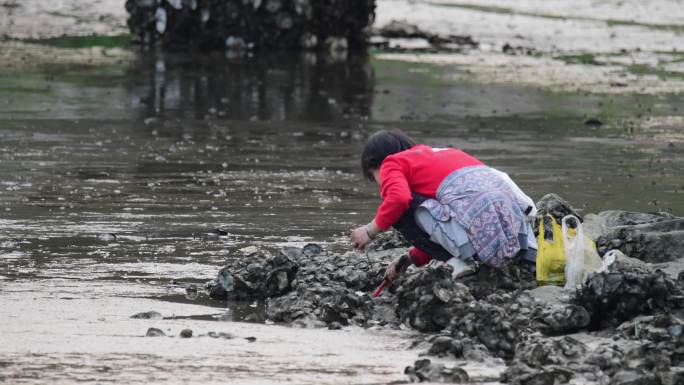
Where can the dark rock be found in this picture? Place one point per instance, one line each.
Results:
(560, 319)
(444, 346)
(300, 255)
(217, 232)
(634, 377)
(239, 24)
(593, 122)
(191, 292)
(147, 315)
(626, 289)
(330, 304)
(557, 207)
(404, 30)
(334, 326)
(186, 333)
(318, 287)
(661, 349)
(673, 377)
(258, 276)
(223, 335)
(552, 361)
(154, 332)
(107, 237)
(251, 339)
(453, 41)
(426, 371)
(517, 275)
(430, 300)
(311, 249)
(653, 238)
(489, 321)
(597, 360)
(616, 218)
(389, 240)
(427, 299)
(509, 49)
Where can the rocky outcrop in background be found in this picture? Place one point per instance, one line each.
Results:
(246, 24)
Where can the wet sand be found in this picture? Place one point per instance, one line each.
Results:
(81, 332)
(118, 165)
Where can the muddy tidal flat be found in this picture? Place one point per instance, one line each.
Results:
(129, 178)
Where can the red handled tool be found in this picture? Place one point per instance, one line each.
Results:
(380, 288)
(404, 261)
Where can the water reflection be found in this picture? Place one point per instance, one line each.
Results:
(256, 87)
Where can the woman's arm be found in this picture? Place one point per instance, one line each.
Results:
(395, 193)
(363, 235)
(396, 198)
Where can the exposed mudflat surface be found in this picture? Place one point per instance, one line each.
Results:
(608, 47)
(81, 331)
(119, 165)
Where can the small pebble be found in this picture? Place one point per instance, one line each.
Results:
(147, 315)
(334, 326)
(154, 332)
(223, 335)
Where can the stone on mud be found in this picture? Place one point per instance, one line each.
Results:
(497, 322)
(307, 286)
(550, 361)
(634, 377)
(444, 346)
(627, 288)
(334, 326)
(399, 29)
(331, 305)
(219, 24)
(257, 276)
(557, 207)
(147, 315)
(223, 335)
(561, 319)
(389, 240)
(427, 298)
(186, 333)
(594, 360)
(154, 332)
(651, 237)
(426, 371)
(514, 276)
(662, 346)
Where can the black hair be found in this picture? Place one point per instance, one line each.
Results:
(381, 145)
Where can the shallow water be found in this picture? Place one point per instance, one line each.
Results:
(114, 177)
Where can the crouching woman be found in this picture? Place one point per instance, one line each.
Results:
(447, 204)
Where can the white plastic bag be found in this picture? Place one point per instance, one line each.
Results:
(574, 252)
(581, 258)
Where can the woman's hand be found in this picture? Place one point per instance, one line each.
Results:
(360, 238)
(397, 267)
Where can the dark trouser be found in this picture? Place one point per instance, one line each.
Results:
(408, 227)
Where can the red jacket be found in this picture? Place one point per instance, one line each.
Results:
(419, 169)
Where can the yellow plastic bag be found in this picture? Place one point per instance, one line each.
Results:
(551, 254)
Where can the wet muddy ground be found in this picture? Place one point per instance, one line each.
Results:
(120, 166)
